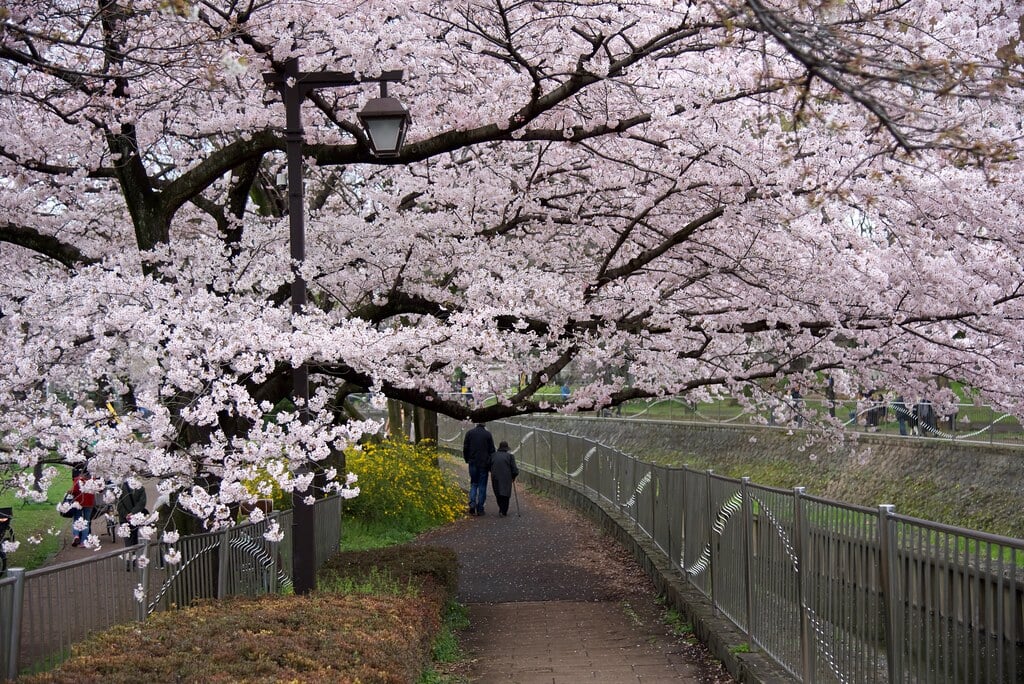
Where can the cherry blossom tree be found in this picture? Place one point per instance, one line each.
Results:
(702, 198)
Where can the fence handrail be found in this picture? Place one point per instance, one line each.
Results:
(88, 560)
(977, 535)
(802, 412)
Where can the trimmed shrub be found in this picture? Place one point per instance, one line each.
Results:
(315, 638)
(406, 564)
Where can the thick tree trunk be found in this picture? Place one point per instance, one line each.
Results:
(426, 424)
(396, 422)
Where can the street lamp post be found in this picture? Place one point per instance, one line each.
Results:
(385, 121)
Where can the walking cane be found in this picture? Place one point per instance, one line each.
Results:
(516, 494)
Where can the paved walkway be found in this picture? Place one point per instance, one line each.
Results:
(66, 552)
(552, 600)
(571, 641)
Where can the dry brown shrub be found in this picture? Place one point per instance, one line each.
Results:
(322, 637)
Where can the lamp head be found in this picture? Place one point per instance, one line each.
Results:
(385, 121)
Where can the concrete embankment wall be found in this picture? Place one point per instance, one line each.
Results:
(969, 484)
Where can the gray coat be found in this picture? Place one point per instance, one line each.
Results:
(503, 471)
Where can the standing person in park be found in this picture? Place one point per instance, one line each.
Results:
(477, 448)
(899, 407)
(503, 473)
(81, 520)
(131, 501)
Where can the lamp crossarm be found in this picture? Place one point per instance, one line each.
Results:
(307, 81)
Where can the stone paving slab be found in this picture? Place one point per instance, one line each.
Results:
(564, 642)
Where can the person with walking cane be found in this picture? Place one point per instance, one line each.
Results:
(503, 475)
(477, 447)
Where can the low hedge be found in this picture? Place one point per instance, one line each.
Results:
(375, 636)
(404, 563)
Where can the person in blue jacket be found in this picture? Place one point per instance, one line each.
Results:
(477, 447)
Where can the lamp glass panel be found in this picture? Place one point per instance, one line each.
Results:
(384, 133)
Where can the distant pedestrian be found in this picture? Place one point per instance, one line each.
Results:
(477, 447)
(81, 519)
(830, 396)
(131, 501)
(797, 404)
(926, 419)
(951, 418)
(899, 407)
(870, 409)
(503, 473)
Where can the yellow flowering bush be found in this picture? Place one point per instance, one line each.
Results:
(401, 481)
(264, 486)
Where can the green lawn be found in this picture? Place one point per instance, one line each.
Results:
(39, 520)
(975, 422)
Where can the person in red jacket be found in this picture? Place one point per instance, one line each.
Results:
(80, 531)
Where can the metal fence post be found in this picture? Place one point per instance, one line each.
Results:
(748, 566)
(222, 565)
(17, 601)
(142, 608)
(684, 505)
(654, 507)
(991, 426)
(887, 582)
(535, 447)
(549, 445)
(565, 457)
(633, 492)
(711, 537)
(799, 533)
(272, 584)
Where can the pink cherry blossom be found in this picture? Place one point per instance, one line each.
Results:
(701, 199)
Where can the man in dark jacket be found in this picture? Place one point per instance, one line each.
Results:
(477, 448)
(503, 474)
(131, 501)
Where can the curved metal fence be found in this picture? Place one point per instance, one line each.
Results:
(44, 612)
(830, 591)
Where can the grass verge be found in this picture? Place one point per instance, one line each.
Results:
(447, 655)
(40, 521)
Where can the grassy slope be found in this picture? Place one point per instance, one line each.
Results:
(38, 520)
